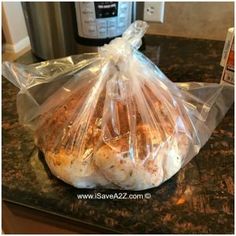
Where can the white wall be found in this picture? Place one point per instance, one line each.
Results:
(14, 27)
(205, 20)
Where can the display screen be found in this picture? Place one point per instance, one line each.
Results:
(106, 9)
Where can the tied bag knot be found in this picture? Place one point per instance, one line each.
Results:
(121, 48)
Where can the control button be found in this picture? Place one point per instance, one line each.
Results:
(92, 27)
(99, 15)
(123, 4)
(87, 11)
(91, 16)
(123, 10)
(122, 21)
(112, 32)
(90, 20)
(101, 24)
(106, 14)
(102, 30)
(102, 33)
(91, 30)
(111, 28)
(88, 6)
(122, 15)
(112, 23)
(85, 4)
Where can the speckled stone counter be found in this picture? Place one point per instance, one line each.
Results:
(198, 199)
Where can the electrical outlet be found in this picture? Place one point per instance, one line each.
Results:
(154, 11)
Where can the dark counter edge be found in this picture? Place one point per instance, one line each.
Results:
(73, 221)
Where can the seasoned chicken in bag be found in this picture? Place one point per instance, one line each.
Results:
(112, 118)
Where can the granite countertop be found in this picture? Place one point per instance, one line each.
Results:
(198, 199)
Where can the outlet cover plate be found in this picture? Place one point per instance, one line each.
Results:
(154, 11)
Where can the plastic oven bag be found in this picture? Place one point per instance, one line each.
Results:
(112, 118)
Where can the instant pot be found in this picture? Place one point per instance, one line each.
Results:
(58, 29)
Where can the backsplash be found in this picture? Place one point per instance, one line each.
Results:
(206, 20)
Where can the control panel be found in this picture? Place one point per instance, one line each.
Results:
(100, 20)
